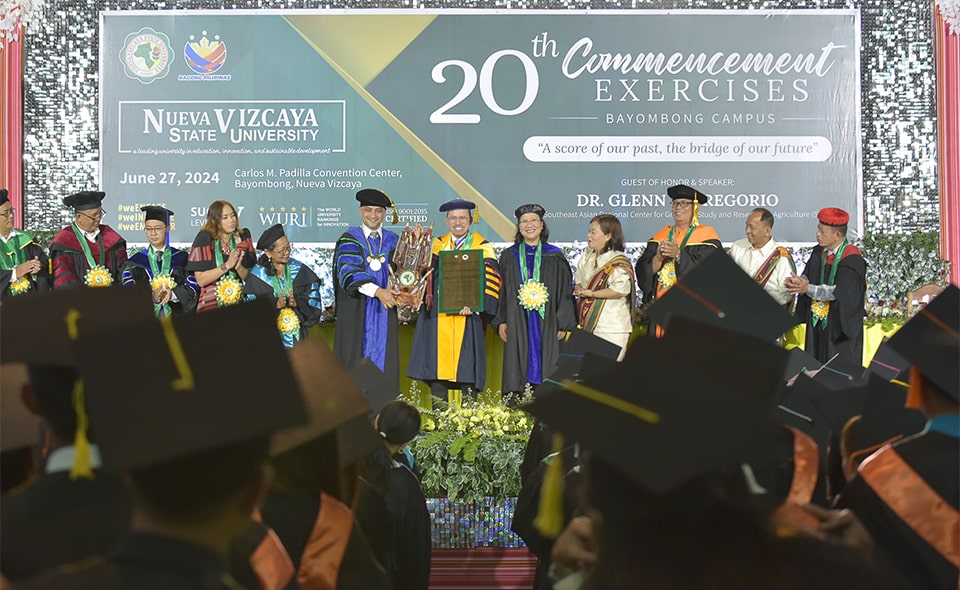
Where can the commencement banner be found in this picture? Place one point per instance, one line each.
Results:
(288, 114)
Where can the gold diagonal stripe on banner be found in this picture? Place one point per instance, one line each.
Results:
(344, 37)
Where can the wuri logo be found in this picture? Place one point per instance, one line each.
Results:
(288, 216)
(146, 55)
(205, 57)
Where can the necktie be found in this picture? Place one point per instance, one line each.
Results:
(375, 242)
(831, 257)
(159, 259)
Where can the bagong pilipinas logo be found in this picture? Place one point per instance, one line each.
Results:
(204, 56)
(146, 55)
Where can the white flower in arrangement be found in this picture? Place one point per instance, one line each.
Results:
(17, 13)
(950, 9)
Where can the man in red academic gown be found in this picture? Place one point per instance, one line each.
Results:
(87, 252)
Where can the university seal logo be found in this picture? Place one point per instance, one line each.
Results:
(205, 56)
(146, 55)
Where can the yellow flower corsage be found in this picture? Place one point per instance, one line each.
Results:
(163, 282)
(20, 286)
(820, 309)
(228, 291)
(533, 295)
(668, 274)
(288, 322)
(98, 276)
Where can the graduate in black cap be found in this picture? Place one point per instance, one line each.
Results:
(449, 350)
(683, 516)
(192, 443)
(400, 536)
(366, 310)
(161, 266)
(537, 308)
(908, 494)
(221, 256)
(831, 292)
(87, 252)
(75, 509)
(676, 248)
(325, 544)
(23, 264)
(290, 285)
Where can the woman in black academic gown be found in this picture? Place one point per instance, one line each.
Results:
(391, 508)
(536, 305)
(288, 283)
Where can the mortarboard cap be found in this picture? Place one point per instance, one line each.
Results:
(580, 342)
(817, 410)
(377, 198)
(4, 196)
(188, 403)
(696, 426)
(529, 208)
(725, 357)
(270, 236)
(157, 213)
(839, 373)
(717, 291)
(682, 191)
(373, 385)
(19, 427)
(799, 361)
(833, 216)
(374, 197)
(356, 438)
(457, 204)
(331, 396)
(884, 416)
(888, 365)
(85, 200)
(930, 341)
(52, 313)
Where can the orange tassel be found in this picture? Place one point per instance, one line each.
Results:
(915, 391)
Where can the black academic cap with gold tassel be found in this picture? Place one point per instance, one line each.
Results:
(550, 518)
(62, 316)
(658, 441)
(186, 386)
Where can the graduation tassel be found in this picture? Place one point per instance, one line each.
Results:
(695, 221)
(396, 217)
(476, 214)
(915, 391)
(549, 520)
(82, 460)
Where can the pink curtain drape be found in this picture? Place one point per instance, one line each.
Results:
(948, 142)
(11, 124)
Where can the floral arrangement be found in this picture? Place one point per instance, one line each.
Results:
(164, 282)
(98, 276)
(20, 286)
(473, 451)
(533, 295)
(896, 265)
(287, 321)
(228, 290)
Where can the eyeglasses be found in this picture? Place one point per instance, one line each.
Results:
(154, 230)
(9, 213)
(95, 217)
(682, 204)
(285, 250)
